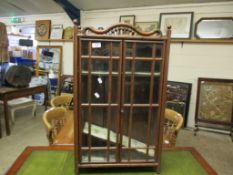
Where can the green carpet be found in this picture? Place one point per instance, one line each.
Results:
(62, 163)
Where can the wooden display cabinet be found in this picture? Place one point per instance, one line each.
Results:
(119, 96)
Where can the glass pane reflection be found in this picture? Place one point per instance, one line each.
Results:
(141, 90)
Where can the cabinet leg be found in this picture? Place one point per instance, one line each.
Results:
(77, 171)
(231, 134)
(158, 169)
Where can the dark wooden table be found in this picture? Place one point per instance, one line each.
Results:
(9, 93)
(26, 153)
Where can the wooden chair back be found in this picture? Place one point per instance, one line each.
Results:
(54, 119)
(172, 125)
(61, 101)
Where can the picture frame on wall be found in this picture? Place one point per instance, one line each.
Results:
(42, 28)
(127, 19)
(67, 84)
(180, 22)
(178, 98)
(214, 104)
(56, 31)
(147, 26)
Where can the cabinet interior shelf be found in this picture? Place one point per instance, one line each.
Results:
(202, 41)
(143, 74)
(118, 57)
(115, 104)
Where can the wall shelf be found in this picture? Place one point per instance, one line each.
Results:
(202, 41)
(56, 40)
(191, 41)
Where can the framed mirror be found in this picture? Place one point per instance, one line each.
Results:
(49, 63)
(214, 28)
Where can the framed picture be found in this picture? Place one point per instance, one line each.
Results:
(214, 103)
(181, 24)
(56, 31)
(67, 83)
(43, 29)
(128, 19)
(178, 98)
(147, 26)
(49, 63)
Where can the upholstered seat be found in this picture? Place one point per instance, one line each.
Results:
(54, 119)
(172, 125)
(17, 104)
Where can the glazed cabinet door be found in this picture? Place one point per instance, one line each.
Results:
(141, 95)
(100, 65)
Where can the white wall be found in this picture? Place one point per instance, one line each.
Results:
(187, 62)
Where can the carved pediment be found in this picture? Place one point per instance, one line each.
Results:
(120, 30)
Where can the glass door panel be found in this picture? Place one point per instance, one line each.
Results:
(100, 48)
(141, 89)
(99, 133)
(143, 76)
(159, 49)
(138, 143)
(143, 50)
(100, 88)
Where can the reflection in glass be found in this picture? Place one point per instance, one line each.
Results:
(143, 50)
(84, 89)
(136, 154)
(99, 80)
(100, 67)
(99, 91)
(141, 83)
(102, 124)
(142, 67)
(115, 48)
(214, 28)
(158, 50)
(140, 117)
(49, 59)
(141, 90)
(129, 49)
(84, 50)
(100, 48)
(99, 156)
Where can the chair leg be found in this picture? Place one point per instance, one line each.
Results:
(34, 110)
(12, 113)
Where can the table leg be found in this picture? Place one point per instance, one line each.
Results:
(46, 98)
(8, 131)
(0, 129)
